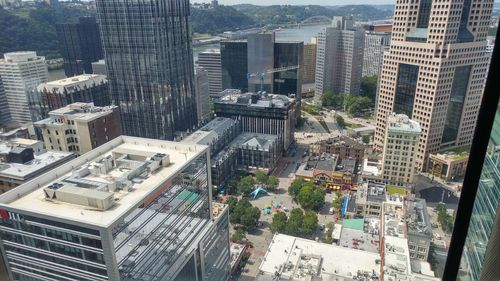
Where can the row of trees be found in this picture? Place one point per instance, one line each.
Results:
(245, 185)
(307, 195)
(298, 224)
(241, 212)
(445, 219)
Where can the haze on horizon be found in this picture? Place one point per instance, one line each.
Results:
(306, 2)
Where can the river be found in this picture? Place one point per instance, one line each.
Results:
(303, 33)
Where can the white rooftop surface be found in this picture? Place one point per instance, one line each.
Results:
(396, 257)
(75, 81)
(401, 123)
(336, 261)
(30, 196)
(371, 168)
(337, 230)
(75, 111)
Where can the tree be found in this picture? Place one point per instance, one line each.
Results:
(327, 99)
(294, 188)
(357, 105)
(328, 234)
(245, 185)
(309, 223)
(272, 183)
(239, 236)
(318, 199)
(294, 224)
(337, 202)
(445, 219)
(432, 258)
(231, 202)
(366, 139)
(232, 186)
(311, 197)
(368, 87)
(340, 121)
(278, 223)
(261, 177)
(250, 218)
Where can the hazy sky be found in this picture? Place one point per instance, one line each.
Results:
(306, 2)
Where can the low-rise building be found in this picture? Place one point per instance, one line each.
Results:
(448, 166)
(296, 259)
(21, 160)
(328, 171)
(80, 127)
(362, 234)
(419, 229)
(344, 147)
(369, 199)
(257, 151)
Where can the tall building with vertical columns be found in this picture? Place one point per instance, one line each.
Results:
(400, 144)
(210, 60)
(434, 71)
(376, 43)
(21, 72)
(149, 60)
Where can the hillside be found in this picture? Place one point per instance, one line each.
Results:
(218, 20)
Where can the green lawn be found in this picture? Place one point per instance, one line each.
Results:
(391, 189)
(352, 125)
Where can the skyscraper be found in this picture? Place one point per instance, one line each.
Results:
(21, 72)
(201, 85)
(150, 65)
(434, 71)
(376, 43)
(339, 58)
(234, 64)
(400, 145)
(484, 228)
(4, 106)
(211, 62)
(80, 45)
(309, 65)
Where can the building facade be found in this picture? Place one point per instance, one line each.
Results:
(400, 147)
(309, 66)
(376, 43)
(99, 67)
(234, 64)
(211, 61)
(80, 127)
(481, 244)
(419, 229)
(434, 71)
(339, 58)
(448, 166)
(344, 147)
(60, 93)
(4, 106)
(132, 209)
(271, 114)
(150, 73)
(21, 73)
(80, 45)
(202, 89)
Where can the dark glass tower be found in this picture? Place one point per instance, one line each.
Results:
(234, 64)
(150, 65)
(80, 45)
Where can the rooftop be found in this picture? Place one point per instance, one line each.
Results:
(365, 236)
(73, 83)
(371, 167)
(371, 191)
(301, 259)
(41, 160)
(254, 141)
(256, 100)
(402, 123)
(127, 169)
(78, 111)
(211, 131)
(393, 217)
(418, 218)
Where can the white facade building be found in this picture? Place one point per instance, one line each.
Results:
(376, 43)
(210, 60)
(21, 72)
(400, 149)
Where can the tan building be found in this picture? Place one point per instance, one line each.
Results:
(434, 71)
(309, 65)
(400, 146)
(344, 147)
(80, 127)
(448, 165)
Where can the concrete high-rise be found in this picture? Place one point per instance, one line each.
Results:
(80, 45)
(131, 209)
(376, 43)
(150, 65)
(4, 106)
(434, 71)
(400, 145)
(201, 85)
(21, 73)
(210, 60)
(339, 58)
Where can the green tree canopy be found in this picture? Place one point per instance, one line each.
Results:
(340, 121)
(245, 214)
(357, 105)
(272, 183)
(294, 224)
(309, 223)
(366, 139)
(278, 223)
(239, 236)
(294, 188)
(368, 87)
(261, 177)
(245, 185)
(311, 197)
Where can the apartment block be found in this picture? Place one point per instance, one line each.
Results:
(400, 146)
(339, 58)
(309, 66)
(80, 127)
(21, 73)
(419, 229)
(434, 71)
(132, 209)
(376, 43)
(210, 60)
(86, 88)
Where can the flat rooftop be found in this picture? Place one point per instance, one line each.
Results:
(254, 141)
(301, 259)
(78, 111)
(418, 218)
(122, 167)
(256, 100)
(211, 131)
(73, 83)
(402, 123)
(370, 191)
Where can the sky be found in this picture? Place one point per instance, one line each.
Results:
(307, 2)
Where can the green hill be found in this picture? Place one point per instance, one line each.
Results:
(218, 20)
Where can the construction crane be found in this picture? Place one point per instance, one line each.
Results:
(262, 75)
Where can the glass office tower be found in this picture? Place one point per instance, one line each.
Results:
(482, 238)
(150, 65)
